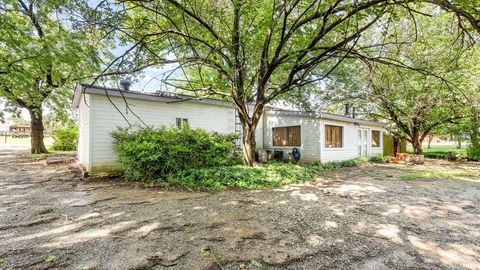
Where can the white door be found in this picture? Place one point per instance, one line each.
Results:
(362, 142)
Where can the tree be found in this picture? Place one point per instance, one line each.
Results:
(250, 52)
(44, 47)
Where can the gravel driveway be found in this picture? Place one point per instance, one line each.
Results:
(353, 218)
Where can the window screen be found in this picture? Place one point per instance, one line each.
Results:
(286, 136)
(333, 136)
(375, 138)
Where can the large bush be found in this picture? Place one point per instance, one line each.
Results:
(65, 139)
(473, 153)
(147, 154)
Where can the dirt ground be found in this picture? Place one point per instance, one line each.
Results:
(353, 218)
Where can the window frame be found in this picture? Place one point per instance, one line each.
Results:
(287, 127)
(379, 138)
(325, 146)
(183, 122)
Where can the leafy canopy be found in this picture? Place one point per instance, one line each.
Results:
(45, 46)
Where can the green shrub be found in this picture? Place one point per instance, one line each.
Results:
(65, 139)
(146, 154)
(378, 159)
(340, 164)
(450, 155)
(473, 153)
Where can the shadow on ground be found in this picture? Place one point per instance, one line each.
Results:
(356, 218)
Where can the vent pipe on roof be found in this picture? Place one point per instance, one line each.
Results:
(125, 84)
(347, 109)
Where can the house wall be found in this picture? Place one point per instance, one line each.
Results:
(309, 132)
(98, 118)
(105, 118)
(350, 148)
(259, 133)
(84, 132)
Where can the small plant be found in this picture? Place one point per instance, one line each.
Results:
(50, 259)
(378, 159)
(258, 264)
(65, 139)
(204, 252)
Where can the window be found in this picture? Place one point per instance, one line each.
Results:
(286, 136)
(333, 136)
(375, 138)
(181, 122)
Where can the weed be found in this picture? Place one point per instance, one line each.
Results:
(258, 264)
(204, 252)
(50, 259)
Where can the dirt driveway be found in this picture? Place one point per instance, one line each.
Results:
(355, 218)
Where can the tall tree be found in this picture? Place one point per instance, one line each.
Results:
(434, 90)
(44, 46)
(250, 52)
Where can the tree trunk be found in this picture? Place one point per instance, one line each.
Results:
(37, 145)
(396, 142)
(459, 141)
(430, 138)
(249, 146)
(417, 146)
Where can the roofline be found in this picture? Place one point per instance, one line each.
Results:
(327, 116)
(168, 97)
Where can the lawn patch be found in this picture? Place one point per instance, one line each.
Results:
(436, 175)
(270, 175)
(424, 175)
(49, 154)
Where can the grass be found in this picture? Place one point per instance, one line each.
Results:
(424, 175)
(271, 175)
(437, 175)
(49, 154)
(22, 141)
(441, 151)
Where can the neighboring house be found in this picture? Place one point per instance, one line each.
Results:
(319, 136)
(20, 129)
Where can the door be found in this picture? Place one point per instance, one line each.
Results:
(362, 142)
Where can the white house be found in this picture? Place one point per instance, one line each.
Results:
(319, 136)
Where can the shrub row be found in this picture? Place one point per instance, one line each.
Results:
(378, 159)
(152, 153)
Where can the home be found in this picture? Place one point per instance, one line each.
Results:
(20, 129)
(319, 136)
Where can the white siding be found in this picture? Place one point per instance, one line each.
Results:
(98, 118)
(105, 118)
(349, 148)
(350, 142)
(259, 133)
(309, 129)
(84, 131)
